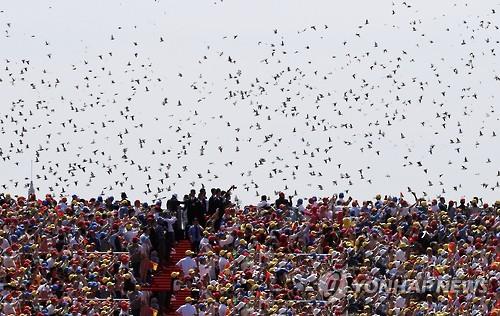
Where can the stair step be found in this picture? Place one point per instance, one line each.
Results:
(162, 280)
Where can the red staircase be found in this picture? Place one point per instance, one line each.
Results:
(177, 300)
(162, 280)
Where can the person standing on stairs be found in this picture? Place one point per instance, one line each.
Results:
(175, 285)
(187, 263)
(168, 221)
(135, 299)
(135, 254)
(191, 204)
(213, 201)
(187, 309)
(195, 235)
(203, 207)
(173, 206)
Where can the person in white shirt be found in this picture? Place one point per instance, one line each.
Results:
(263, 202)
(187, 309)
(4, 243)
(229, 240)
(43, 291)
(130, 233)
(8, 309)
(222, 260)
(222, 307)
(205, 243)
(187, 263)
(9, 260)
(400, 255)
(400, 302)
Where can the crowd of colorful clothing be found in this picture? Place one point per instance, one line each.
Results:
(390, 255)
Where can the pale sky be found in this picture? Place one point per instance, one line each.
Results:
(338, 87)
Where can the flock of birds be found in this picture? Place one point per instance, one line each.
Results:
(303, 110)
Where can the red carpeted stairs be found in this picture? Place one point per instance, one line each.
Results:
(162, 280)
(177, 300)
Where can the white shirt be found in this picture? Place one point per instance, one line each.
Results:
(186, 310)
(186, 264)
(170, 224)
(400, 255)
(51, 309)
(229, 240)
(8, 309)
(204, 243)
(203, 270)
(5, 244)
(400, 302)
(222, 309)
(262, 204)
(222, 263)
(8, 261)
(50, 263)
(129, 235)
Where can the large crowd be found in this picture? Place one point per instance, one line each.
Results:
(321, 256)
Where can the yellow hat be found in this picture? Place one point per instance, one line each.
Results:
(189, 253)
(174, 274)
(188, 299)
